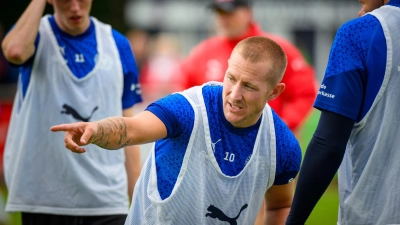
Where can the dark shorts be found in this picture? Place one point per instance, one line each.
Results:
(49, 219)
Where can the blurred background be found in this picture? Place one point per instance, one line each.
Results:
(162, 33)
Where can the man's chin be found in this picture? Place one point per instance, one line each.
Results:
(233, 121)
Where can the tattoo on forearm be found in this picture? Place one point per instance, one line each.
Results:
(112, 133)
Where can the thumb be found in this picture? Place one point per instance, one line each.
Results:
(87, 135)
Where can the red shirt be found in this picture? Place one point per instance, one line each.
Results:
(208, 61)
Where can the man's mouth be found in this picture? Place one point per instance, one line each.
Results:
(75, 18)
(234, 107)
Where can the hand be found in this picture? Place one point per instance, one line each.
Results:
(77, 134)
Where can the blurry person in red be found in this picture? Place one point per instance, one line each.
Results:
(160, 74)
(208, 61)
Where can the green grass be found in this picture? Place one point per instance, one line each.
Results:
(15, 219)
(12, 218)
(326, 211)
(307, 129)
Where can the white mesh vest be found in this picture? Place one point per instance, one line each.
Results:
(202, 193)
(369, 183)
(41, 174)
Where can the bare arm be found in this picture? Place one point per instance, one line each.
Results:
(278, 201)
(19, 44)
(133, 163)
(113, 132)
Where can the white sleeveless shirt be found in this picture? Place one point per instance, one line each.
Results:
(369, 183)
(202, 193)
(42, 176)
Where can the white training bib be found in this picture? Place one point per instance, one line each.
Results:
(42, 176)
(369, 183)
(202, 193)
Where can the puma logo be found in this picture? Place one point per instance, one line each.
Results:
(213, 144)
(217, 213)
(71, 111)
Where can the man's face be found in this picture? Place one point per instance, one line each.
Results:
(233, 24)
(72, 15)
(369, 5)
(246, 91)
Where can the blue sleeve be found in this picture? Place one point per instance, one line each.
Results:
(175, 112)
(351, 81)
(132, 92)
(26, 69)
(288, 152)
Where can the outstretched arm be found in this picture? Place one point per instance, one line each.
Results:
(113, 132)
(19, 44)
(278, 200)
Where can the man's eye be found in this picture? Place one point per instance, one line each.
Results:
(250, 87)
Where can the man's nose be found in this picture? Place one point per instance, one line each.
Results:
(236, 94)
(74, 5)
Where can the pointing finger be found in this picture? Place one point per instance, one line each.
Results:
(61, 127)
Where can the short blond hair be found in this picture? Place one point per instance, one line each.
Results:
(262, 49)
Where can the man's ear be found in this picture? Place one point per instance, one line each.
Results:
(278, 89)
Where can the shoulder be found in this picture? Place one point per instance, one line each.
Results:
(45, 18)
(358, 28)
(211, 93)
(173, 101)
(287, 147)
(212, 88)
(359, 23)
(285, 138)
(209, 90)
(173, 105)
(124, 49)
(353, 40)
(176, 113)
(120, 39)
(357, 34)
(47, 23)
